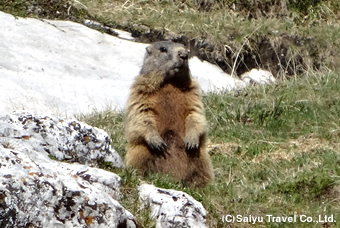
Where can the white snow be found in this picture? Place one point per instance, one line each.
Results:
(258, 76)
(63, 67)
(212, 78)
(66, 68)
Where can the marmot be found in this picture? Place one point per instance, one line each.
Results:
(165, 124)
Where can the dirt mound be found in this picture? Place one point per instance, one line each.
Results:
(284, 55)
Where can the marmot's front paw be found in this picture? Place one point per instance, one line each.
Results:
(157, 144)
(191, 141)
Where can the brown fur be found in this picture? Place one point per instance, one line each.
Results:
(165, 124)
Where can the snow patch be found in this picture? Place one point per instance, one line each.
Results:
(67, 68)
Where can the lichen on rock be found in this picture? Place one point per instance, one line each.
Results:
(171, 208)
(55, 194)
(65, 140)
(36, 191)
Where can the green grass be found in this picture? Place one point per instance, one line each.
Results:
(310, 29)
(275, 150)
(50, 9)
(285, 110)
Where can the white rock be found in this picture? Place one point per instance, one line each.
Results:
(53, 194)
(171, 208)
(258, 76)
(40, 192)
(64, 139)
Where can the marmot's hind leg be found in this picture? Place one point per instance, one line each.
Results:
(200, 171)
(138, 156)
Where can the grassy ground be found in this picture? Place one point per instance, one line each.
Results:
(275, 151)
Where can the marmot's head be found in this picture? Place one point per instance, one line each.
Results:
(166, 58)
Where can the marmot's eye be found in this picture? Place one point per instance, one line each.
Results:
(163, 49)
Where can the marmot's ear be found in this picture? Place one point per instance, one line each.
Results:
(148, 50)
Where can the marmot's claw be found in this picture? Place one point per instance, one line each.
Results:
(191, 141)
(160, 146)
(191, 146)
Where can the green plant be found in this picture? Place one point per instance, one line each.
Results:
(274, 148)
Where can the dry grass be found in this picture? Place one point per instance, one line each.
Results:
(275, 149)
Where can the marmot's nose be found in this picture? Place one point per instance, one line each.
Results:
(183, 54)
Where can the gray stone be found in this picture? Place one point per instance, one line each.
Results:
(67, 140)
(36, 191)
(55, 194)
(171, 208)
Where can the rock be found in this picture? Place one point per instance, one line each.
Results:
(66, 140)
(36, 191)
(258, 76)
(46, 193)
(171, 208)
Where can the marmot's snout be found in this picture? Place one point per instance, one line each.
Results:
(183, 53)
